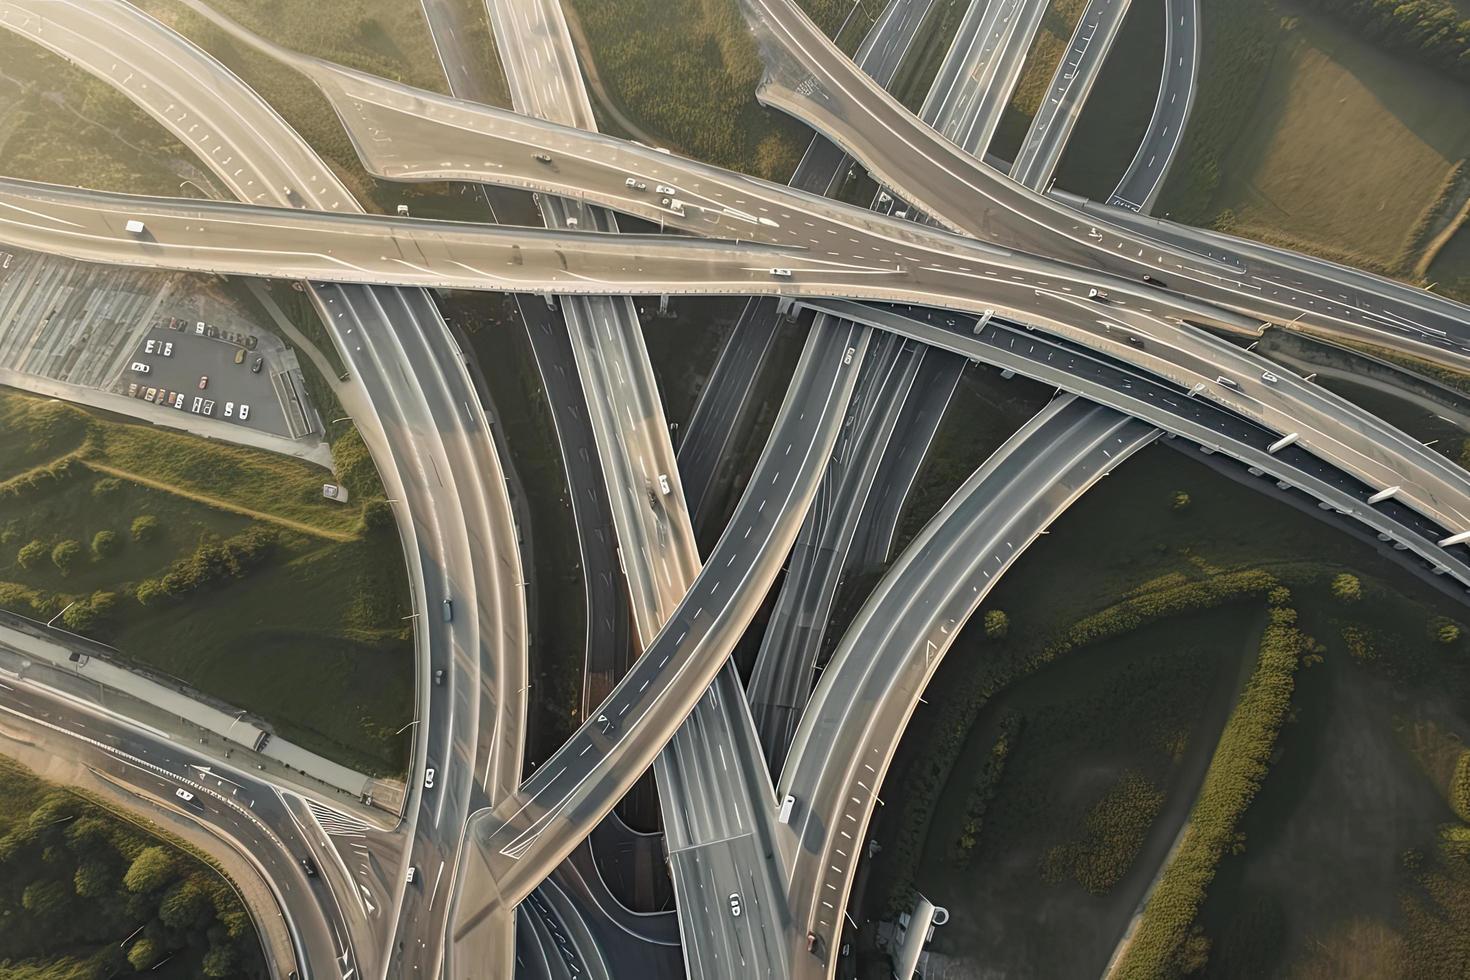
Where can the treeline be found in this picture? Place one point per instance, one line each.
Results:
(987, 783)
(1164, 943)
(1432, 32)
(85, 895)
(212, 563)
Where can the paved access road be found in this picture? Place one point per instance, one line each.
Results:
(1140, 184)
(875, 679)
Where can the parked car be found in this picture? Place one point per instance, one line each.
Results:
(244, 412)
(255, 364)
(203, 381)
(140, 368)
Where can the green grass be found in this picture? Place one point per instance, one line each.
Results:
(1338, 149)
(1451, 270)
(1116, 115)
(916, 73)
(314, 641)
(687, 73)
(59, 124)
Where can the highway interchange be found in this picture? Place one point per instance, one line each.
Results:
(994, 270)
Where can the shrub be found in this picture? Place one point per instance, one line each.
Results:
(145, 528)
(64, 556)
(104, 543)
(987, 783)
(1460, 787)
(1443, 630)
(1115, 830)
(31, 554)
(1347, 588)
(997, 624)
(106, 488)
(91, 614)
(1180, 500)
(213, 562)
(377, 514)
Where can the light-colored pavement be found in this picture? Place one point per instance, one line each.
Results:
(261, 159)
(873, 684)
(1071, 84)
(524, 836)
(1140, 184)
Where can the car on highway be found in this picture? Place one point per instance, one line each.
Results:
(140, 368)
(203, 381)
(448, 610)
(429, 778)
(189, 799)
(244, 412)
(782, 273)
(735, 905)
(5, 262)
(665, 189)
(439, 677)
(1155, 282)
(543, 158)
(636, 185)
(255, 364)
(1098, 294)
(787, 805)
(663, 484)
(1269, 378)
(847, 357)
(309, 866)
(413, 872)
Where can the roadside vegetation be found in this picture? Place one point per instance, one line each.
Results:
(686, 75)
(1299, 120)
(218, 565)
(1156, 675)
(1116, 116)
(59, 123)
(1046, 50)
(87, 895)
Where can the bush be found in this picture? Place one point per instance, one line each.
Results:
(1445, 631)
(64, 556)
(1115, 830)
(145, 528)
(212, 563)
(104, 543)
(92, 614)
(31, 555)
(107, 488)
(1180, 500)
(997, 624)
(376, 515)
(987, 783)
(1460, 787)
(1347, 588)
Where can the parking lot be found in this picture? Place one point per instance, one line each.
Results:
(243, 370)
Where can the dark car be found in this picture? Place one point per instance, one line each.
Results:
(439, 677)
(256, 364)
(309, 866)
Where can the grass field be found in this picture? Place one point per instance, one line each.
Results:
(313, 640)
(1116, 114)
(1451, 270)
(686, 73)
(1122, 534)
(60, 124)
(1341, 151)
(1107, 735)
(1346, 871)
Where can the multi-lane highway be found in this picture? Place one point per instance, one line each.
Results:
(875, 679)
(1140, 184)
(1071, 84)
(428, 435)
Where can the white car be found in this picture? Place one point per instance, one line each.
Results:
(847, 357)
(413, 873)
(783, 273)
(244, 412)
(151, 347)
(229, 410)
(140, 367)
(199, 328)
(663, 484)
(429, 778)
(184, 795)
(1269, 378)
(168, 348)
(666, 189)
(735, 905)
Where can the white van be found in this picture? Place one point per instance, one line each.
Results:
(787, 805)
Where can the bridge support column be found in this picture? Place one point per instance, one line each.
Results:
(663, 305)
(783, 306)
(550, 300)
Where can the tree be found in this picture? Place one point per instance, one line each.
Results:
(997, 624)
(220, 961)
(31, 555)
(148, 592)
(377, 514)
(104, 543)
(145, 528)
(186, 905)
(94, 879)
(46, 899)
(144, 954)
(64, 556)
(1347, 588)
(150, 870)
(90, 614)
